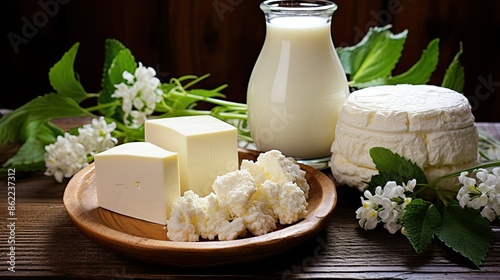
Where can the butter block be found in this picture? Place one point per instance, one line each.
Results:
(139, 180)
(207, 148)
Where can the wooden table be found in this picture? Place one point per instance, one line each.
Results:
(48, 245)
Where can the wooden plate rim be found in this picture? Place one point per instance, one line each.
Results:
(113, 239)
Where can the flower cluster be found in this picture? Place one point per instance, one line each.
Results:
(70, 153)
(482, 192)
(384, 206)
(139, 94)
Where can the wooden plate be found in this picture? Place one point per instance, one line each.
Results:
(148, 242)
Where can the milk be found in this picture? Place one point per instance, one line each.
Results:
(296, 88)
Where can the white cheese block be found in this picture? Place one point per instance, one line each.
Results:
(432, 148)
(403, 108)
(138, 179)
(353, 175)
(432, 126)
(207, 148)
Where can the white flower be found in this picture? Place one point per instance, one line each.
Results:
(65, 157)
(495, 202)
(482, 194)
(140, 91)
(488, 213)
(385, 206)
(96, 137)
(387, 211)
(392, 224)
(463, 196)
(479, 202)
(410, 186)
(367, 214)
(69, 154)
(466, 181)
(391, 190)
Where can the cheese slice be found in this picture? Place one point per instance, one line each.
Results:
(433, 126)
(207, 148)
(138, 179)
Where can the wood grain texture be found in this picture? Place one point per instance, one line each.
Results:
(148, 242)
(48, 243)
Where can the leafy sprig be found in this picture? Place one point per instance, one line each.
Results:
(372, 61)
(32, 126)
(464, 230)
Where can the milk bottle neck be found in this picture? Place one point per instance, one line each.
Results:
(298, 12)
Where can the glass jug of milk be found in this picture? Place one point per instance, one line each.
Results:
(297, 85)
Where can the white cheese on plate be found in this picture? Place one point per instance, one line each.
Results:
(272, 189)
(207, 147)
(433, 126)
(138, 179)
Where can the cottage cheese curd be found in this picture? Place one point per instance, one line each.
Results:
(252, 199)
(433, 126)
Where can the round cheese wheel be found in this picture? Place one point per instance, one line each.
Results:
(433, 126)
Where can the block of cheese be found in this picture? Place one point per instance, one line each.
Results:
(138, 179)
(207, 148)
(433, 126)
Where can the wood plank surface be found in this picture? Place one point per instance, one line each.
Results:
(47, 243)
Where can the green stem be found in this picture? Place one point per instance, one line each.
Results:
(180, 113)
(196, 80)
(183, 92)
(91, 95)
(103, 106)
(455, 174)
(162, 107)
(215, 101)
(232, 116)
(438, 192)
(120, 126)
(245, 137)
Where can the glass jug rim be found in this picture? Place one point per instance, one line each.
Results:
(298, 5)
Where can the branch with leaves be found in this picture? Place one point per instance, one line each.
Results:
(31, 123)
(459, 217)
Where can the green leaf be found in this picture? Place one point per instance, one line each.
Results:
(48, 133)
(419, 73)
(382, 178)
(421, 220)
(466, 232)
(62, 76)
(393, 167)
(26, 121)
(454, 76)
(29, 157)
(117, 60)
(111, 48)
(374, 57)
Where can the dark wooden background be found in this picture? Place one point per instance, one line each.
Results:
(224, 37)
